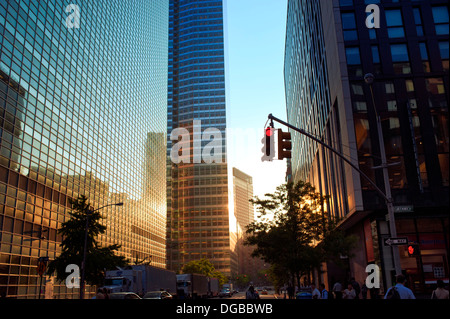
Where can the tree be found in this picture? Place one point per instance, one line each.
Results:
(241, 280)
(294, 231)
(73, 232)
(204, 267)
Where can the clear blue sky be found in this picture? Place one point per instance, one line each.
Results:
(254, 39)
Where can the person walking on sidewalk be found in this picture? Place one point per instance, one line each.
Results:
(349, 293)
(403, 292)
(323, 292)
(337, 290)
(440, 292)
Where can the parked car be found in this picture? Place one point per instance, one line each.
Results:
(225, 293)
(124, 295)
(304, 293)
(264, 292)
(157, 295)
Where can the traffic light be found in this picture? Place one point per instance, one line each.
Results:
(268, 148)
(413, 250)
(284, 144)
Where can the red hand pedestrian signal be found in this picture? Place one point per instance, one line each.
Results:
(413, 250)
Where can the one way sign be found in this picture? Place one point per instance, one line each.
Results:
(396, 241)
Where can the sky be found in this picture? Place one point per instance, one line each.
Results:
(254, 44)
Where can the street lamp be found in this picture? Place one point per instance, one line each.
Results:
(83, 264)
(369, 79)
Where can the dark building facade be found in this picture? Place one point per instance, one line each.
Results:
(408, 55)
(197, 191)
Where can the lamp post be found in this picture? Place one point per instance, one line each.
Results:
(83, 264)
(369, 79)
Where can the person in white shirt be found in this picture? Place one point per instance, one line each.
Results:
(315, 292)
(440, 292)
(404, 292)
(349, 293)
(337, 290)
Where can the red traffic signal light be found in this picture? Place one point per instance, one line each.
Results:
(413, 250)
(268, 148)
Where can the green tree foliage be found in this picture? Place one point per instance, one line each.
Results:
(294, 232)
(204, 267)
(73, 232)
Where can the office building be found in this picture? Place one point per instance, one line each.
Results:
(329, 50)
(197, 194)
(82, 112)
(245, 215)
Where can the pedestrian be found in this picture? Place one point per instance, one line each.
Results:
(290, 291)
(349, 293)
(356, 286)
(374, 293)
(399, 291)
(364, 290)
(251, 294)
(99, 294)
(440, 292)
(105, 292)
(323, 292)
(315, 292)
(337, 290)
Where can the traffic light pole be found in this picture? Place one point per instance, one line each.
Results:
(386, 196)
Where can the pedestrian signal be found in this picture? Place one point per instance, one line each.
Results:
(413, 250)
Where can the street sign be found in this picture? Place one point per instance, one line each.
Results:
(396, 241)
(404, 209)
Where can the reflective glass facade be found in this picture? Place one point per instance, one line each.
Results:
(83, 111)
(306, 81)
(197, 200)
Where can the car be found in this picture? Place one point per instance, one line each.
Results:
(157, 295)
(264, 292)
(304, 293)
(225, 293)
(124, 295)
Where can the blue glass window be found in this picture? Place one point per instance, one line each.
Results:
(353, 56)
(423, 51)
(375, 54)
(399, 53)
(349, 26)
(418, 21)
(440, 17)
(443, 48)
(394, 23)
(344, 3)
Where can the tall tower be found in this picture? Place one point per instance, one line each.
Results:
(83, 111)
(197, 195)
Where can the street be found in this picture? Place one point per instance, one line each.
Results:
(241, 295)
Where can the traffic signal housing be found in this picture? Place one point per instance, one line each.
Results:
(268, 148)
(413, 250)
(284, 144)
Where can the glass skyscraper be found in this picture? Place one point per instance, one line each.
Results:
(198, 222)
(83, 111)
(329, 49)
